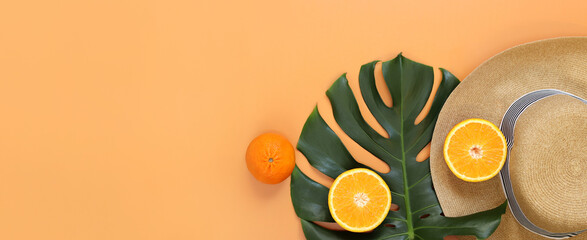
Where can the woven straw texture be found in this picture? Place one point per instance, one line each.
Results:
(549, 158)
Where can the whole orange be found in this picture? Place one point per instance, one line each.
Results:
(270, 158)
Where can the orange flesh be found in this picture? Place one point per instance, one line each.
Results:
(476, 150)
(360, 200)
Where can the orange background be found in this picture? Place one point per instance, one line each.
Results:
(128, 119)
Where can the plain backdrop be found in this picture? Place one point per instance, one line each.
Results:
(129, 119)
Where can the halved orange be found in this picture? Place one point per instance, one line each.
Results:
(359, 200)
(475, 150)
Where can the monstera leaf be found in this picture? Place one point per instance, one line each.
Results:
(419, 215)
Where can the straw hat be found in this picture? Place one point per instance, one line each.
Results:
(548, 162)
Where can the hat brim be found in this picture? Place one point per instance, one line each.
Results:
(559, 63)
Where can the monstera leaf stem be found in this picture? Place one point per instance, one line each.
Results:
(419, 215)
(405, 177)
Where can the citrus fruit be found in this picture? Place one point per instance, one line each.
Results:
(359, 200)
(270, 158)
(475, 150)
